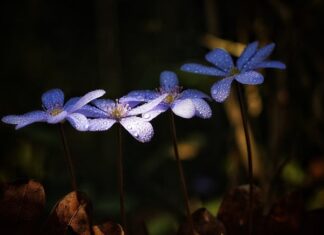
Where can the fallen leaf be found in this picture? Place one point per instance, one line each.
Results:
(108, 228)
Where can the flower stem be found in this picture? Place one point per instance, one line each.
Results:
(120, 177)
(249, 155)
(68, 158)
(180, 170)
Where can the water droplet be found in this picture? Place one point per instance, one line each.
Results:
(146, 115)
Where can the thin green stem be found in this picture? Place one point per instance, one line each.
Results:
(180, 171)
(120, 172)
(68, 158)
(249, 155)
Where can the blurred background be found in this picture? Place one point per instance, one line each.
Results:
(123, 45)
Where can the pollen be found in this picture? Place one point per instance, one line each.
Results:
(55, 111)
(169, 99)
(118, 110)
(234, 71)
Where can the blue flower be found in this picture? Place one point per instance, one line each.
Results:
(55, 111)
(185, 104)
(108, 112)
(244, 72)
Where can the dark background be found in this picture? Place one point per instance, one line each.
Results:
(123, 45)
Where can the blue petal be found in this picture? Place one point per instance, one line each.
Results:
(25, 119)
(270, 64)
(221, 59)
(221, 89)
(90, 96)
(78, 121)
(144, 108)
(92, 112)
(100, 124)
(203, 109)
(161, 108)
(191, 93)
(183, 108)
(246, 55)
(53, 98)
(57, 118)
(258, 57)
(104, 104)
(139, 96)
(168, 80)
(202, 69)
(139, 128)
(250, 78)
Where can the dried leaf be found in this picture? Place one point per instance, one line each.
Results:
(21, 206)
(234, 209)
(204, 223)
(108, 228)
(72, 213)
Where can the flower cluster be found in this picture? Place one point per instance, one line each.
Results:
(135, 110)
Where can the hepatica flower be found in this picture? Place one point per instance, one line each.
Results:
(183, 103)
(244, 72)
(108, 112)
(56, 111)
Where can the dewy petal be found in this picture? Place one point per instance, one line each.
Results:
(246, 55)
(103, 104)
(78, 121)
(221, 59)
(100, 124)
(90, 96)
(221, 89)
(249, 78)
(270, 64)
(202, 69)
(168, 80)
(138, 127)
(139, 96)
(203, 109)
(148, 106)
(258, 57)
(191, 93)
(57, 118)
(161, 108)
(92, 112)
(53, 98)
(183, 108)
(25, 119)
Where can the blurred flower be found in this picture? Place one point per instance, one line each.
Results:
(186, 104)
(244, 72)
(55, 111)
(107, 112)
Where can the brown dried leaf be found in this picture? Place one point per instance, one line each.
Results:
(72, 213)
(21, 206)
(204, 223)
(234, 210)
(108, 228)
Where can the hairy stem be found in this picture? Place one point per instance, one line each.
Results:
(120, 172)
(68, 158)
(180, 171)
(249, 155)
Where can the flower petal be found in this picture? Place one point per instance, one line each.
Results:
(78, 121)
(250, 78)
(183, 108)
(139, 128)
(100, 124)
(53, 98)
(25, 119)
(221, 59)
(92, 112)
(139, 96)
(57, 118)
(147, 107)
(203, 109)
(161, 108)
(90, 96)
(221, 89)
(168, 80)
(191, 93)
(202, 69)
(270, 64)
(258, 57)
(246, 55)
(103, 104)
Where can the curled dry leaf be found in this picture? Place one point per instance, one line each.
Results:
(234, 209)
(71, 215)
(21, 207)
(204, 223)
(108, 228)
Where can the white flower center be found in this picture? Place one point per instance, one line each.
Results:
(118, 110)
(172, 95)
